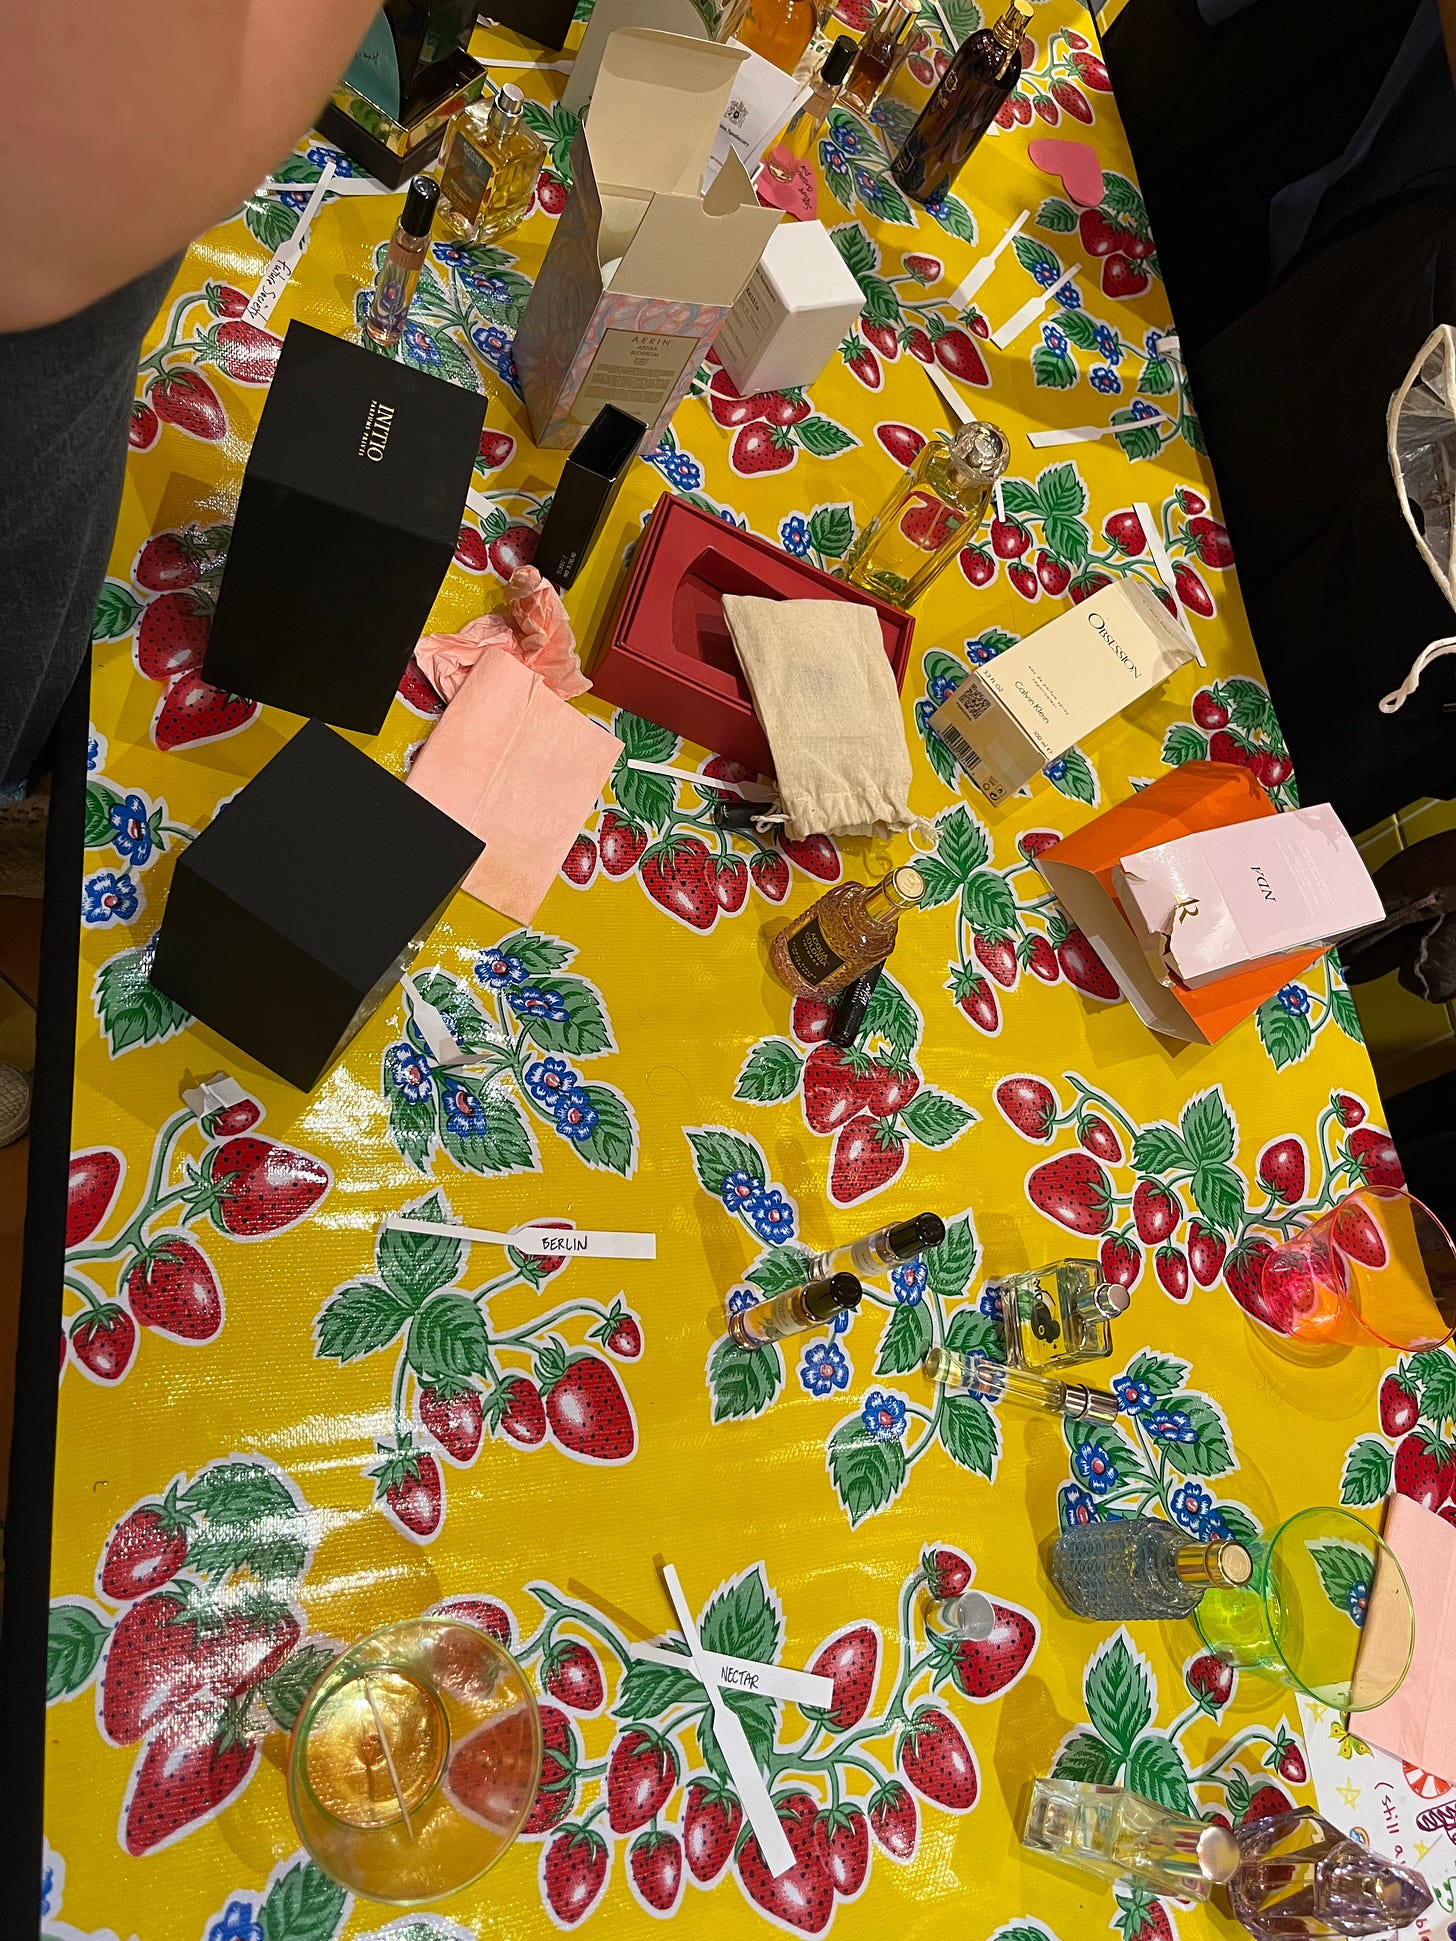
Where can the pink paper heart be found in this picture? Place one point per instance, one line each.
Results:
(798, 197)
(1076, 163)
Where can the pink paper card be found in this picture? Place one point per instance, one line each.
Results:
(1419, 1723)
(1226, 899)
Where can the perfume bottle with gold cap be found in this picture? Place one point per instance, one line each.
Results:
(880, 53)
(930, 515)
(1141, 1567)
(849, 928)
(993, 1381)
(1112, 1833)
(983, 75)
(1052, 1317)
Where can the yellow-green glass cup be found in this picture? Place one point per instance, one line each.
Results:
(414, 1761)
(1327, 1611)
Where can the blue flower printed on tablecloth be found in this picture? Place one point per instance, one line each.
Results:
(1103, 378)
(678, 467)
(883, 1415)
(910, 1280)
(1295, 999)
(771, 1216)
(824, 1368)
(108, 898)
(239, 1922)
(576, 1117)
(499, 972)
(532, 1003)
(409, 1072)
(464, 1113)
(1190, 1503)
(741, 1192)
(741, 1299)
(1135, 1397)
(1096, 1468)
(550, 1080)
(131, 836)
(1075, 1507)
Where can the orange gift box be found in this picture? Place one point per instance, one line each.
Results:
(1188, 801)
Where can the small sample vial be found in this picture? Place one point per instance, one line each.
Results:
(971, 1615)
(1111, 1832)
(400, 271)
(993, 1382)
(877, 1251)
(799, 1311)
(1056, 1315)
(1141, 1567)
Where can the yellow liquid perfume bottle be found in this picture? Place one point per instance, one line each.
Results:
(879, 54)
(994, 1382)
(798, 140)
(490, 169)
(779, 30)
(1053, 1316)
(850, 927)
(932, 513)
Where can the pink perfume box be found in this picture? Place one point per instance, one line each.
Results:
(1223, 900)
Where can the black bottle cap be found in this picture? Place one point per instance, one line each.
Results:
(837, 61)
(419, 206)
(837, 1295)
(912, 1237)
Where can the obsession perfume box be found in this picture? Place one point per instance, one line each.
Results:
(800, 304)
(644, 264)
(348, 518)
(1016, 713)
(667, 653)
(294, 912)
(1228, 899)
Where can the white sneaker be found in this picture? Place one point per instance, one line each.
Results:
(14, 1104)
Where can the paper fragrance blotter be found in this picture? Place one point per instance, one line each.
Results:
(1013, 715)
(294, 912)
(348, 519)
(668, 653)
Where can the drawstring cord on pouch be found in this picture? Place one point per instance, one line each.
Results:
(1392, 703)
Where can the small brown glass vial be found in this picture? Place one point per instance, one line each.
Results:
(799, 1311)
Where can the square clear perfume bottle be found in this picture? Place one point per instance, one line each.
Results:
(1056, 1315)
(491, 167)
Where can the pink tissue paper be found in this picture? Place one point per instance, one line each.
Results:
(1419, 1723)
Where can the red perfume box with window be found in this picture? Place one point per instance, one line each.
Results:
(668, 655)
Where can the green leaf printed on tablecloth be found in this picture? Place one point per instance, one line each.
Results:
(743, 1381)
(867, 1475)
(1121, 1693)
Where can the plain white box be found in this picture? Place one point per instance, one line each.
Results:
(797, 308)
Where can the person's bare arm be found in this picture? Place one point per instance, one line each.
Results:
(133, 125)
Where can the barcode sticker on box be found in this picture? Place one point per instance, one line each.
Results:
(972, 700)
(958, 746)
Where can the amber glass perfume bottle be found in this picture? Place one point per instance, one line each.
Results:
(1111, 1832)
(879, 55)
(1057, 1315)
(798, 140)
(491, 168)
(799, 1311)
(993, 1381)
(400, 271)
(931, 514)
(984, 73)
(779, 30)
(850, 927)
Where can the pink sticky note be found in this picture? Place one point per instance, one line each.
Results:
(1419, 1723)
(798, 197)
(1077, 165)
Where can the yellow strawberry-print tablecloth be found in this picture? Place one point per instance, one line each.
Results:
(280, 1429)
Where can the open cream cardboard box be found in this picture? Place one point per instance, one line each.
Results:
(644, 265)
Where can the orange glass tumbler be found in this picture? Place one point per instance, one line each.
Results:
(1377, 1268)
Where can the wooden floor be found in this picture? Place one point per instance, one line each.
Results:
(19, 989)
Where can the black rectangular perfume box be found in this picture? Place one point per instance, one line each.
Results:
(292, 915)
(590, 481)
(348, 519)
(545, 21)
